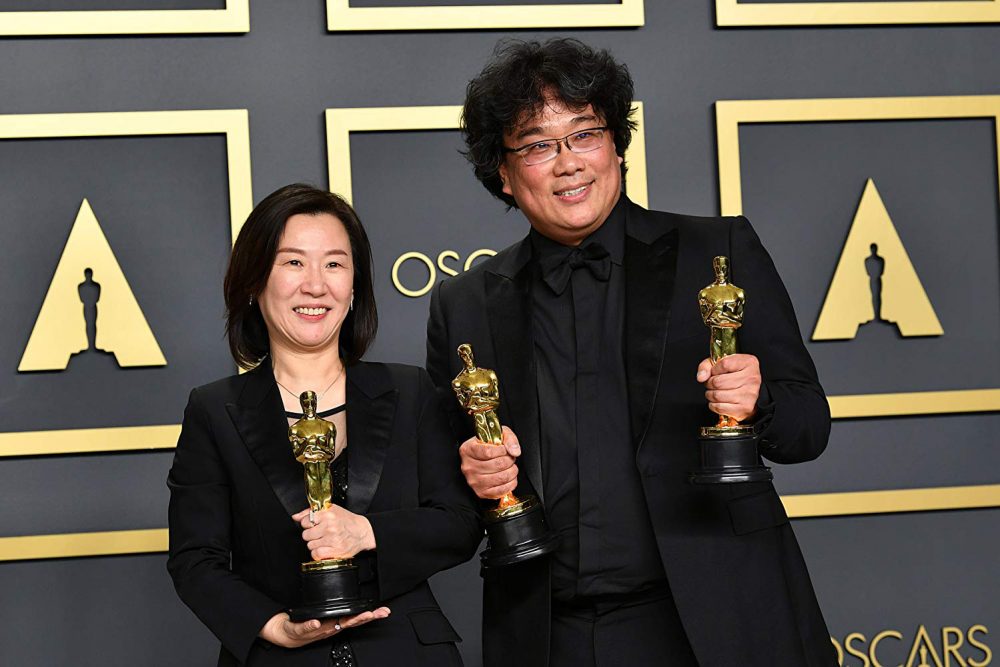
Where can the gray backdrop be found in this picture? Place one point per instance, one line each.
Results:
(163, 206)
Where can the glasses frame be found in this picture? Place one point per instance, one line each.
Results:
(558, 143)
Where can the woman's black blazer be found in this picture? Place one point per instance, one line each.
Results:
(235, 552)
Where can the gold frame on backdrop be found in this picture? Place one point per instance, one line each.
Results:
(892, 501)
(815, 505)
(234, 18)
(76, 545)
(730, 114)
(340, 16)
(869, 12)
(235, 125)
(340, 123)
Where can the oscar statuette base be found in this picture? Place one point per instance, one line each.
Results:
(330, 588)
(728, 456)
(516, 534)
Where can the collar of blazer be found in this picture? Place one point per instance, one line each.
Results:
(651, 249)
(259, 416)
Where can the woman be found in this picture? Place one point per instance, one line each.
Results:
(300, 314)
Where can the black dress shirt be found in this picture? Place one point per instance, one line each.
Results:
(593, 493)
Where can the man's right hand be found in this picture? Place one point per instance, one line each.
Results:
(491, 470)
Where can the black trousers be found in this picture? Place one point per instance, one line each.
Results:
(642, 630)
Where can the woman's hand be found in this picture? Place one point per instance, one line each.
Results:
(282, 631)
(335, 532)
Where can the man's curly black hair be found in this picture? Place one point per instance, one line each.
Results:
(514, 85)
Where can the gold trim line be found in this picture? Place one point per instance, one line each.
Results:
(234, 18)
(86, 440)
(914, 403)
(74, 545)
(340, 16)
(892, 501)
(834, 12)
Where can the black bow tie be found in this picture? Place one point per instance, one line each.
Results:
(556, 271)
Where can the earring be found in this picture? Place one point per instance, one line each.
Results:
(351, 307)
(250, 302)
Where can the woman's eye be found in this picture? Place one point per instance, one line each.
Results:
(333, 265)
(294, 262)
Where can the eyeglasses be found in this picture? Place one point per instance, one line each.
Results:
(581, 141)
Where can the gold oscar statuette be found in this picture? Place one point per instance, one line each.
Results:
(721, 305)
(728, 449)
(515, 527)
(329, 586)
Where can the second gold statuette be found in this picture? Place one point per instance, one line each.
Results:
(515, 528)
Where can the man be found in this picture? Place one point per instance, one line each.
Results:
(592, 325)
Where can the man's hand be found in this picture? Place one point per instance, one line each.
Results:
(490, 469)
(732, 385)
(335, 532)
(281, 631)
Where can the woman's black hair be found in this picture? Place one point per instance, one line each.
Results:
(253, 256)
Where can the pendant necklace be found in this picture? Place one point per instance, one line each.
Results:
(320, 396)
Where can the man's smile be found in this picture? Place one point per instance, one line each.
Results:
(573, 191)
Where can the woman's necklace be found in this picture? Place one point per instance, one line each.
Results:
(320, 396)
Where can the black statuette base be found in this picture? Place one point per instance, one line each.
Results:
(517, 538)
(330, 592)
(729, 460)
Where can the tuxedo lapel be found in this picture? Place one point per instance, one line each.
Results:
(650, 267)
(371, 407)
(509, 309)
(259, 416)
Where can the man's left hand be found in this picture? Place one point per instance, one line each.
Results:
(732, 385)
(335, 532)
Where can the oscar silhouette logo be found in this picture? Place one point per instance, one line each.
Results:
(110, 319)
(875, 281)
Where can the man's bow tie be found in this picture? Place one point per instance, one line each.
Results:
(556, 271)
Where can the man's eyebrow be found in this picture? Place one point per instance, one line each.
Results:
(588, 118)
(527, 132)
(578, 120)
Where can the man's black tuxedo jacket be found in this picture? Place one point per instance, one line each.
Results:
(733, 564)
(235, 552)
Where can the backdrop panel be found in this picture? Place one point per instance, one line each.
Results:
(890, 583)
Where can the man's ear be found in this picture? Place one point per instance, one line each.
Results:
(505, 180)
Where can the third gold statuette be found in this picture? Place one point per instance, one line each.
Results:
(728, 449)
(721, 305)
